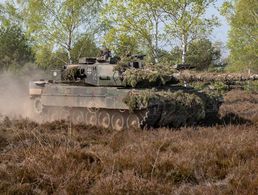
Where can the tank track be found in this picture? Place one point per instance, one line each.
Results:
(114, 119)
(151, 116)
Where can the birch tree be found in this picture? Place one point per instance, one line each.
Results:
(133, 23)
(185, 21)
(59, 23)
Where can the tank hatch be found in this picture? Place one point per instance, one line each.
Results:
(87, 60)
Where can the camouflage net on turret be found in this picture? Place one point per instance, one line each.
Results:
(70, 73)
(176, 108)
(190, 76)
(219, 82)
(122, 64)
(149, 76)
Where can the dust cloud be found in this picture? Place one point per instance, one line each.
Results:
(14, 92)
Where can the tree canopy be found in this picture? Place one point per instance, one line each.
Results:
(243, 35)
(83, 47)
(202, 54)
(56, 24)
(139, 26)
(15, 49)
(186, 21)
(153, 22)
(60, 32)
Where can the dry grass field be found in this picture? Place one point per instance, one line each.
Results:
(64, 159)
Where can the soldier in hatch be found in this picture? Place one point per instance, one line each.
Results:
(105, 54)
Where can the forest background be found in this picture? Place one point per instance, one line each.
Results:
(49, 34)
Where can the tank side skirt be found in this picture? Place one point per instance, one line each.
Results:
(88, 97)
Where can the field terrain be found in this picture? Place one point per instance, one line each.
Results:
(63, 158)
(59, 158)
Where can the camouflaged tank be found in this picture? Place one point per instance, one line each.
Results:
(120, 94)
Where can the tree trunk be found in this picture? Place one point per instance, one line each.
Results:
(69, 47)
(184, 48)
(156, 41)
(69, 56)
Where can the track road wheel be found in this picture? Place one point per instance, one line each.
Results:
(117, 121)
(133, 121)
(77, 117)
(104, 119)
(91, 118)
(37, 106)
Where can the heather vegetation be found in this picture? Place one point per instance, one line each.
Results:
(61, 158)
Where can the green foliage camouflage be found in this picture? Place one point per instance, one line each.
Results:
(152, 75)
(69, 74)
(221, 88)
(177, 107)
(216, 87)
(122, 64)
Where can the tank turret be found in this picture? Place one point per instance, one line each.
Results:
(98, 71)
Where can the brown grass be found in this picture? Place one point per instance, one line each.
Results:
(241, 103)
(63, 159)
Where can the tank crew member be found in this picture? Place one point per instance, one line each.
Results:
(105, 54)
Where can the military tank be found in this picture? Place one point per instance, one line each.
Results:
(120, 94)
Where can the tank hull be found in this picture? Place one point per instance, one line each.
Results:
(83, 97)
(119, 107)
(95, 106)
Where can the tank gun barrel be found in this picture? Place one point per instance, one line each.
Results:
(214, 77)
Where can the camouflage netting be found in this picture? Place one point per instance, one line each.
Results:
(69, 74)
(176, 108)
(149, 76)
(221, 88)
(219, 83)
(122, 64)
(190, 76)
(157, 75)
(211, 88)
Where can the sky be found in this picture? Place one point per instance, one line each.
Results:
(220, 33)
